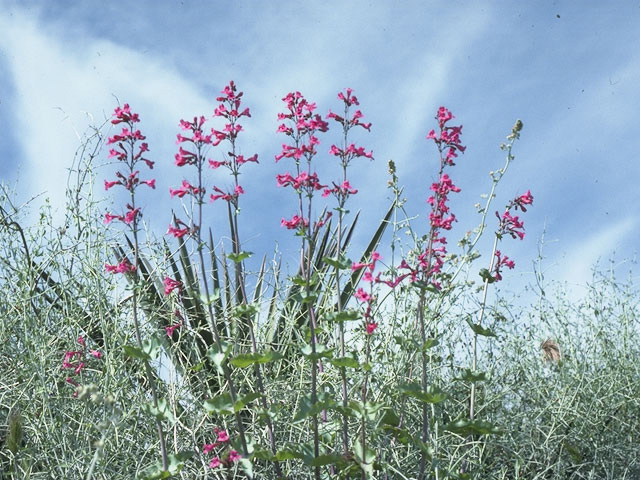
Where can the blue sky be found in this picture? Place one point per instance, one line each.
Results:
(570, 71)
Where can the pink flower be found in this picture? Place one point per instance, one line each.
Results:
(223, 436)
(172, 328)
(371, 326)
(511, 225)
(170, 285)
(234, 456)
(362, 295)
(186, 188)
(177, 232)
(68, 358)
(131, 215)
(215, 462)
(123, 267)
(151, 183)
(96, 354)
(502, 261)
(294, 223)
(215, 164)
(108, 218)
(108, 185)
(522, 200)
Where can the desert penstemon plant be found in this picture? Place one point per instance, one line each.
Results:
(365, 455)
(342, 191)
(432, 259)
(301, 125)
(129, 148)
(230, 110)
(198, 142)
(507, 225)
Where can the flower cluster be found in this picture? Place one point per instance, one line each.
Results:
(513, 226)
(231, 111)
(431, 260)
(301, 124)
(501, 261)
(172, 328)
(229, 458)
(129, 148)
(76, 360)
(192, 153)
(303, 128)
(349, 151)
(448, 140)
(364, 297)
(123, 267)
(170, 285)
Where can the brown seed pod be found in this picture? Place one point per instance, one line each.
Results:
(550, 350)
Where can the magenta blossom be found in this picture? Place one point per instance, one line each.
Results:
(170, 285)
(128, 149)
(186, 189)
(295, 222)
(501, 261)
(123, 267)
(511, 225)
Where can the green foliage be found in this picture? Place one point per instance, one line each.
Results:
(574, 416)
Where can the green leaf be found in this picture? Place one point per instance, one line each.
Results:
(220, 404)
(464, 426)
(344, 316)
(218, 357)
(573, 451)
(390, 418)
(135, 352)
(155, 472)
(470, 376)
(433, 394)
(247, 466)
(368, 410)
(427, 287)
(322, 460)
(238, 257)
(341, 263)
(347, 362)
(486, 275)
(430, 343)
(245, 309)
(303, 297)
(152, 347)
(244, 401)
(214, 297)
(247, 359)
(176, 461)
(286, 454)
(479, 330)
(162, 412)
(321, 352)
(306, 408)
(364, 458)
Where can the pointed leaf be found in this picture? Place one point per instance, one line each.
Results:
(246, 359)
(220, 404)
(238, 257)
(479, 330)
(464, 426)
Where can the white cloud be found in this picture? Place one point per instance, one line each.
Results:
(61, 89)
(576, 264)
